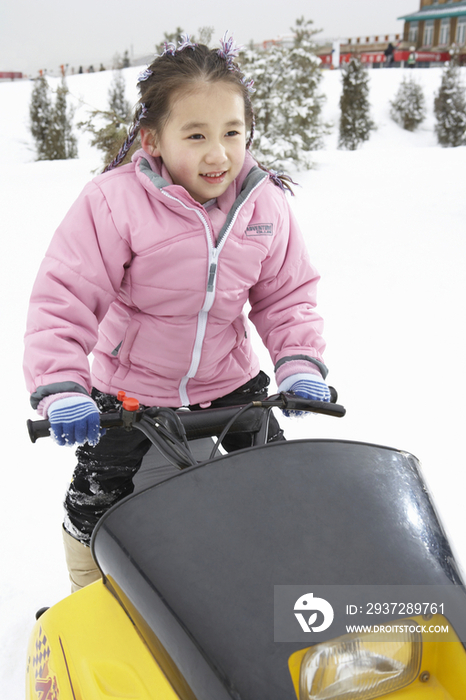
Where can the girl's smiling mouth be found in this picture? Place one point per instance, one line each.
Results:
(214, 177)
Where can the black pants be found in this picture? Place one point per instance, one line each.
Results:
(104, 473)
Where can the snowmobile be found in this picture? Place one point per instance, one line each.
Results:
(235, 575)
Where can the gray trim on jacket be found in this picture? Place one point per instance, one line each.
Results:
(253, 178)
(55, 388)
(322, 368)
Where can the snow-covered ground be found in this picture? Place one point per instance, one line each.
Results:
(385, 226)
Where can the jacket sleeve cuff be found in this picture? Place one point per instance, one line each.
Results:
(44, 405)
(298, 366)
(288, 382)
(56, 388)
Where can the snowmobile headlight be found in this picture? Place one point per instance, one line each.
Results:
(358, 667)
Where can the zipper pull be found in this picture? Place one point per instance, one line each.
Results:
(212, 273)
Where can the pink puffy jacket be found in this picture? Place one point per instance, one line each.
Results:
(135, 276)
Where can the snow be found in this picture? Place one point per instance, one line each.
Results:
(385, 227)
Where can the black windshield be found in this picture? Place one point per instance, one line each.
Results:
(197, 556)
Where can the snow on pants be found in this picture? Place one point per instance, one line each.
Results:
(104, 473)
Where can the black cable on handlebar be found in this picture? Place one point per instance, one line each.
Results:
(170, 419)
(228, 426)
(167, 443)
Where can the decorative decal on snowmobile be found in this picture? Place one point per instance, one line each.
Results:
(46, 685)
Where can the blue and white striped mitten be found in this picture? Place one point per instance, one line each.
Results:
(308, 386)
(74, 420)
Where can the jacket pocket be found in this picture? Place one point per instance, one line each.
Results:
(123, 350)
(242, 350)
(116, 350)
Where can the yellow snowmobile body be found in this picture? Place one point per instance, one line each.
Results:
(86, 647)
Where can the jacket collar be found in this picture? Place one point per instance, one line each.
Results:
(152, 171)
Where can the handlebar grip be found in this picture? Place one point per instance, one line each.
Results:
(296, 403)
(41, 428)
(38, 429)
(292, 402)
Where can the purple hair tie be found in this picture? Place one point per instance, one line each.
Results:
(145, 75)
(248, 84)
(172, 49)
(185, 43)
(169, 48)
(274, 176)
(228, 51)
(276, 179)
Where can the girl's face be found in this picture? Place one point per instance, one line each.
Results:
(203, 143)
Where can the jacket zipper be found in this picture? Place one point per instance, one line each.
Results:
(214, 252)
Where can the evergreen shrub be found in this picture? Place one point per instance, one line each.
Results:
(109, 128)
(355, 121)
(51, 123)
(450, 108)
(286, 100)
(408, 107)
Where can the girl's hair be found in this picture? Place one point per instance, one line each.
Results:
(177, 69)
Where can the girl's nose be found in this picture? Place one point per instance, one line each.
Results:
(216, 153)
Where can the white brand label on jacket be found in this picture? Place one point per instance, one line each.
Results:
(259, 230)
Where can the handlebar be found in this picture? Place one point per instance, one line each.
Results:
(208, 422)
(170, 431)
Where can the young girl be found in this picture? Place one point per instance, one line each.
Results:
(150, 271)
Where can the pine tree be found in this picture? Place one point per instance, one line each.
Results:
(52, 123)
(126, 61)
(302, 106)
(263, 67)
(286, 101)
(408, 107)
(116, 120)
(40, 115)
(355, 121)
(62, 142)
(116, 97)
(450, 108)
(117, 62)
(205, 35)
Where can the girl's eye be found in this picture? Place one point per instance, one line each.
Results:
(233, 133)
(196, 137)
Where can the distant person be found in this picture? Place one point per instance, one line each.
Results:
(102, 67)
(91, 69)
(80, 69)
(412, 58)
(389, 55)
